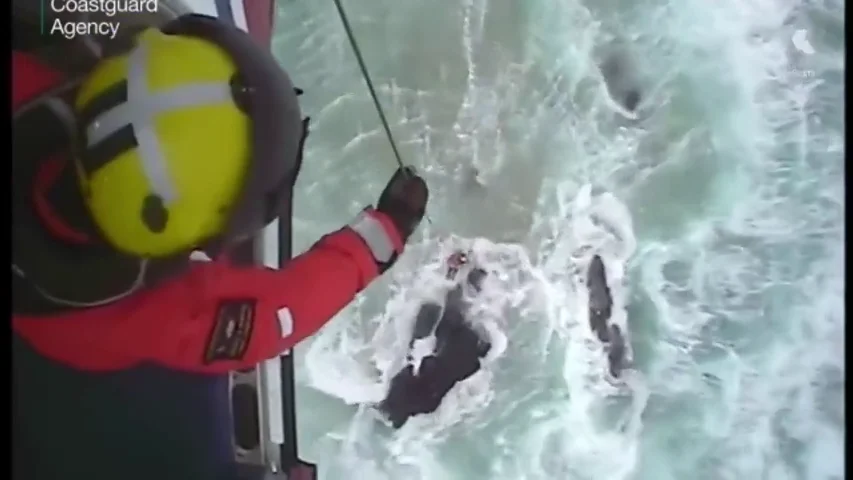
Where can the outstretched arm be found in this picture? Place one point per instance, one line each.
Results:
(218, 317)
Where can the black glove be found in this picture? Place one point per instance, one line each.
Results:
(404, 201)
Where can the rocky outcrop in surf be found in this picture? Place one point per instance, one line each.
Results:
(621, 78)
(600, 317)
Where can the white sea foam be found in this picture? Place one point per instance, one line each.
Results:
(718, 211)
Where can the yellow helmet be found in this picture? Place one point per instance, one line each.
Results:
(191, 138)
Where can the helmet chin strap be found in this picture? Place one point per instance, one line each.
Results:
(138, 283)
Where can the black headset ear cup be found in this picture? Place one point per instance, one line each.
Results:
(274, 200)
(241, 93)
(176, 26)
(194, 24)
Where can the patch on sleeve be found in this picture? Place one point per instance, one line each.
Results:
(232, 330)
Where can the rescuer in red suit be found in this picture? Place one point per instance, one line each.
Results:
(88, 303)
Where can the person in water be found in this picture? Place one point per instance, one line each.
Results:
(191, 140)
(458, 352)
(600, 311)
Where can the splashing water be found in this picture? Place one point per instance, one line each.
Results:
(717, 207)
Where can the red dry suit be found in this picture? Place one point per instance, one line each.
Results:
(210, 317)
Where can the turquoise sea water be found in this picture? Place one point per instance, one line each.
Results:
(719, 211)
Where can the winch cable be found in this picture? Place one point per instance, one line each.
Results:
(366, 74)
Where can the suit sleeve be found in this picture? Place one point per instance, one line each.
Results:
(219, 318)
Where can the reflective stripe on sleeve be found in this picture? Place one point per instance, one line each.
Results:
(370, 229)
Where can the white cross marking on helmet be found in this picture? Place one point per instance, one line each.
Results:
(139, 111)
